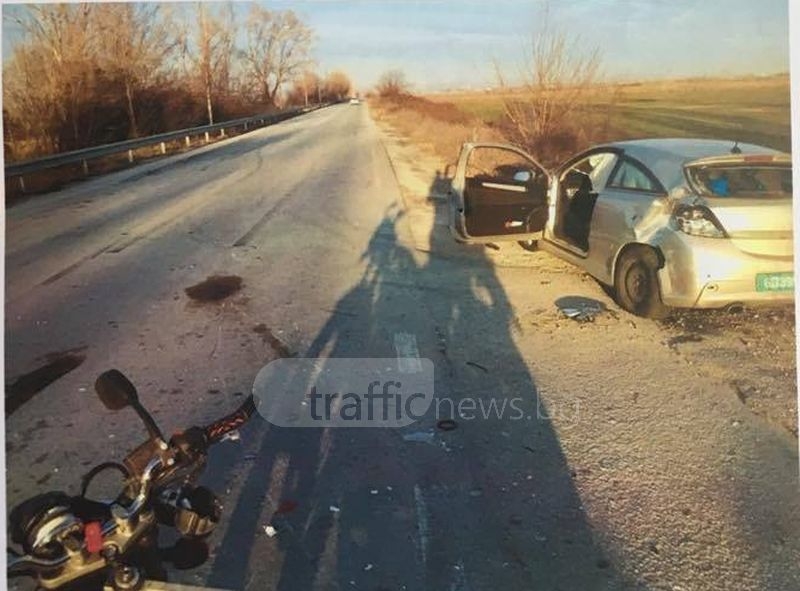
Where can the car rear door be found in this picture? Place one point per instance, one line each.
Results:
(499, 193)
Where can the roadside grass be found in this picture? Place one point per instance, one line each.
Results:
(753, 109)
(437, 127)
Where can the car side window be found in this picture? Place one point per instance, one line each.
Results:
(630, 175)
(499, 168)
(596, 166)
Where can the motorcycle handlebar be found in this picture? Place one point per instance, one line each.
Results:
(219, 428)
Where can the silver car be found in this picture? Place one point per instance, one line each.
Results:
(665, 222)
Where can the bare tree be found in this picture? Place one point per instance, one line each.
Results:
(278, 48)
(545, 112)
(337, 85)
(207, 50)
(133, 42)
(54, 66)
(392, 84)
(307, 86)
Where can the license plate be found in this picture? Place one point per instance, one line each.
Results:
(775, 282)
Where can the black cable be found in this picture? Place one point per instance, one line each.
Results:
(89, 476)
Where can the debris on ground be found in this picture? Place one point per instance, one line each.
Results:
(334, 509)
(419, 436)
(446, 424)
(478, 366)
(580, 308)
(270, 531)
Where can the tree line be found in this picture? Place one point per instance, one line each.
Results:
(92, 73)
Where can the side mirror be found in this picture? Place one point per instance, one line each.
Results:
(115, 390)
(523, 176)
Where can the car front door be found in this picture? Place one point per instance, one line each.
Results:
(499, 193)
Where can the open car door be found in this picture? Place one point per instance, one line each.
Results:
(499, 193)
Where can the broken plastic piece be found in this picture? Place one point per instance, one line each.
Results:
(419, 436)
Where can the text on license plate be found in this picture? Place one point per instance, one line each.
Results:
(775, 281)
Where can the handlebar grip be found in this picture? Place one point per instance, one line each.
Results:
(217, 430)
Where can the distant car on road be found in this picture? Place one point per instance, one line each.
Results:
(355, 101)
(684, 223)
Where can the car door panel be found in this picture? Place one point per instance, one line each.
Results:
(494, 202)
(493, 208)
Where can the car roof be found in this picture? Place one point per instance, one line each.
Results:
(666, 157)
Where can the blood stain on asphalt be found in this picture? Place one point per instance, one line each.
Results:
(215, 288)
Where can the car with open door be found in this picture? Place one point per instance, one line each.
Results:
(686, 223)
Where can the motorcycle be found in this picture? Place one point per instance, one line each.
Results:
(73, 542)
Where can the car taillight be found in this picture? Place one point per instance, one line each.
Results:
(697, 220)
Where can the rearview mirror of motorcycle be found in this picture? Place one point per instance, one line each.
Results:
(115, 390)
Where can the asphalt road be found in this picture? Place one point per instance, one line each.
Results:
(309, 215)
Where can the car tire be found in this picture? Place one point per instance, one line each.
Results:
(529, 245)
(636, 283)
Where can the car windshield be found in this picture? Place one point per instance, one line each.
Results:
(762, 181)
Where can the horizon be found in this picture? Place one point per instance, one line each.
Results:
(442, 45)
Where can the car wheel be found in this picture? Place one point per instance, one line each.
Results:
(636, 284)
(529, 245)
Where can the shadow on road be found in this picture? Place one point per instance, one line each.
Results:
(492, 504)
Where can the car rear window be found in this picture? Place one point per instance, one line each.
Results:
(748, 180)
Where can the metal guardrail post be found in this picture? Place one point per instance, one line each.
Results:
(163, 148)
(188, 142)
(130, 156)
(207, 138)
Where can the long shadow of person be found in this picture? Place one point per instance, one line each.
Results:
(491, 504)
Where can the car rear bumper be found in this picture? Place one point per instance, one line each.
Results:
(712, 273)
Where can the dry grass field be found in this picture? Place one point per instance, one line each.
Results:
(753, 109)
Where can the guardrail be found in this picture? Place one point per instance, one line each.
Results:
(17, 169)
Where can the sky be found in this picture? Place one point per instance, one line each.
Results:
(449, 44)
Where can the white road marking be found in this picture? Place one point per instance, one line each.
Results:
(407, 353)
(459, 577)
(422, 525)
